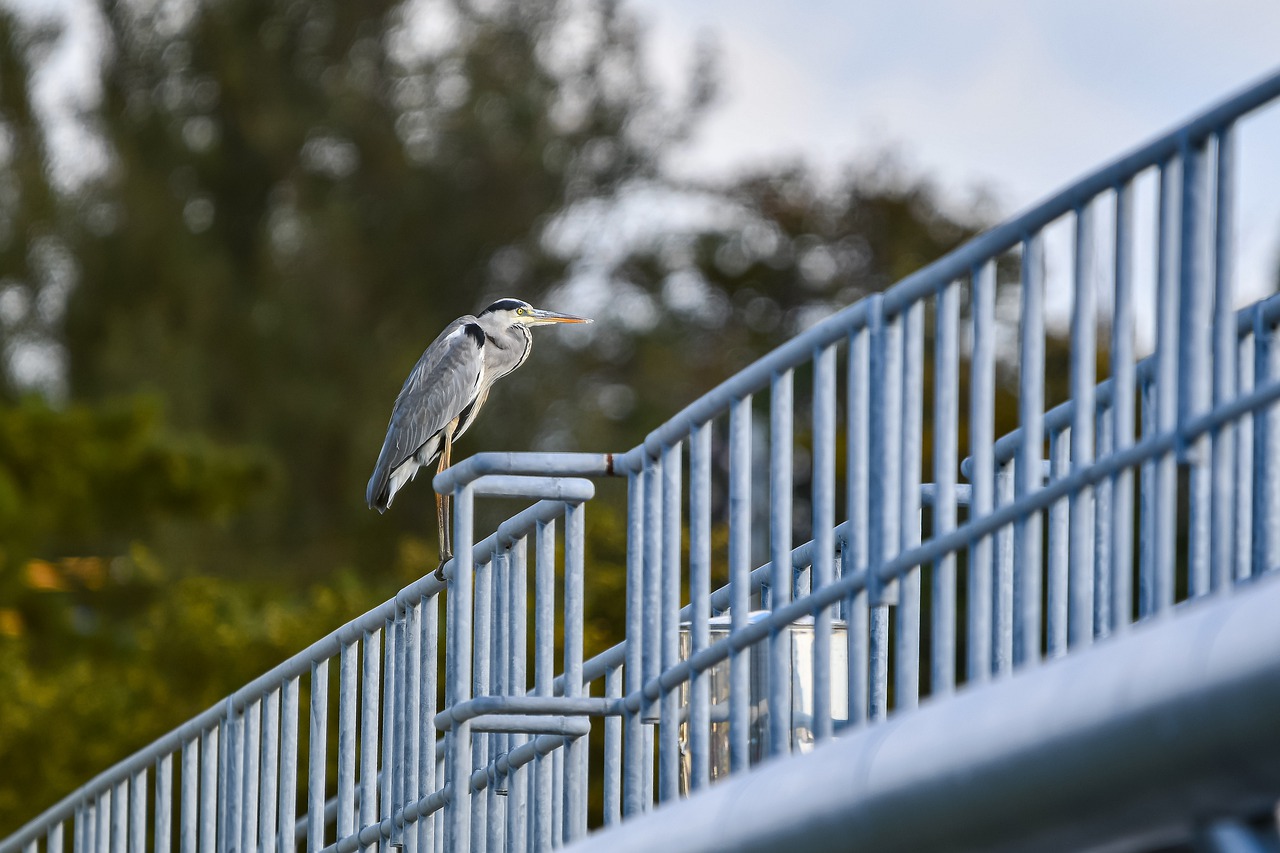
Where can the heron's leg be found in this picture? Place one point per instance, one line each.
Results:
(443, 507)
(440, 528)
(446, 459)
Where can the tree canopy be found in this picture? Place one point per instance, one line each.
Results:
(279, 205)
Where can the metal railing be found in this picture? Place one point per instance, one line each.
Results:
(1158, 487)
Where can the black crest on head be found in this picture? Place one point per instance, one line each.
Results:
(504, 305)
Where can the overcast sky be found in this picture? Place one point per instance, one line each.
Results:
(1016, 97)
(1016, 94)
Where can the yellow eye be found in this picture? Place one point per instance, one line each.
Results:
(520, 311)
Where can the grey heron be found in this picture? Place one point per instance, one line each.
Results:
(444, 393)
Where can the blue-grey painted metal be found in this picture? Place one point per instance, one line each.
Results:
(1195, 370)
(669, 626)
(1124, 404)
(982, 369)
(1225, 494)
(1183, 704)
(883, 524)
(1083, 379)
(740, 462)
(633, 673)
(1029, 472)
(1164, 489)
(946, 464)
(780, 448)
(907, 660)
(982, 768)
(699, 723)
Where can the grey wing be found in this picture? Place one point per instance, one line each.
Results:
(443, 383)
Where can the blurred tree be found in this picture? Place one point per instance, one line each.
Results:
(686, 309)
(299, 196)
(32, 283)
(280, 204)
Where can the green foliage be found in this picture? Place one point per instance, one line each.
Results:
(109, 472)
(134, 657)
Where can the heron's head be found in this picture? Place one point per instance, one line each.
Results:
(515, 312)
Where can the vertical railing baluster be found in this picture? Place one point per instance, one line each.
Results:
(189, 802)
(288, 766)
(633, 756)
(557, 797)
(612, 755)
(1029, 471)
(102, 830)
(412, 710)
(907, 659)
(458, 821)
(230, 779)
(346, 820)
(669, 729)
(163, 829)
(386, 798)
(1084, 378)
(544, 595)
(518, 685)
(1056, 568)
(652, 642)
(946, 464)
(316, 752)
(1266, 444)
(1002, 598)
(780, 450)
(102, 826)
(575, 751)
(1102, 559)
(856, 554)
(982, 389)
(252, 726)
(482, 636)
(1227, 491)
(1123, 381)
(495, 793)
(700, 601)
(429, 669)
(1195, 373)
(1244, 470)
(370, 686)
(269, 761)
(824, 522)
(1147, 503)
(1165, 488)
(739, 581)
(395, 768)
(209, 791)
(79, 830)
(885, 480)
(120, 818)
(82, 829)
(137, 821)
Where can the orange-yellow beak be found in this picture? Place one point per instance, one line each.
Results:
(538, 317)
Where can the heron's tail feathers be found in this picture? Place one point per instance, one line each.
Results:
(384, 483)
(378, 493)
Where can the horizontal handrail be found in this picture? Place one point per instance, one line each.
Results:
(1210, 669)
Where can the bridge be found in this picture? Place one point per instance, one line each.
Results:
(1064, 637)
